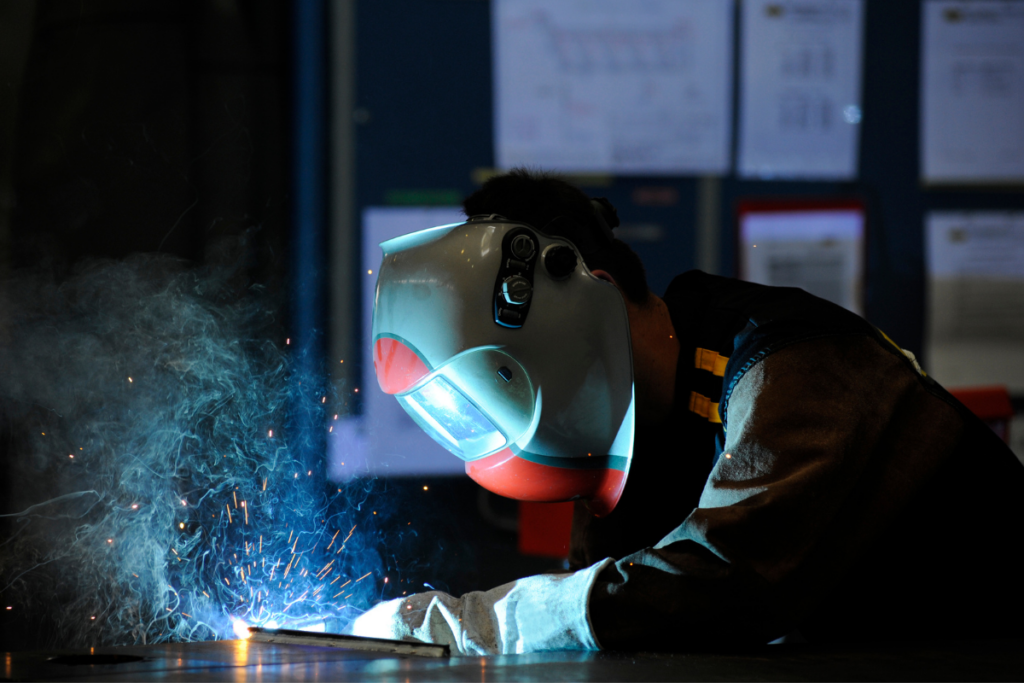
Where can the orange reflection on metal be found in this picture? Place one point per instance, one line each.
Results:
(241, 652)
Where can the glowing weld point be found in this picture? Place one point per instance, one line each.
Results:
(92, 618)
(130, 379)
(357, 390)
(110, 540)
(181, 525)
(240, 628)
(288, 341)
(135, 506)
(323, 400)
(271, 433)
(10, 607)
(71, 456)
(184, 502)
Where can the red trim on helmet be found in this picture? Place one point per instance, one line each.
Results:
(513, 477)
(397, 366)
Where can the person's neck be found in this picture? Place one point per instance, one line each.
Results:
(655, 357)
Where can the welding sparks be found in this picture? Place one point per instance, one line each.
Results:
(240, 628)
(176, 459)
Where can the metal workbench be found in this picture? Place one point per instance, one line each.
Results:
(237, 660)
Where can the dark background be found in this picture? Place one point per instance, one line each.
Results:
(168, 126)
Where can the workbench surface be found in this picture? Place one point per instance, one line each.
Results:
(239, 660)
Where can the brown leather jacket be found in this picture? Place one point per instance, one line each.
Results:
(857, 501)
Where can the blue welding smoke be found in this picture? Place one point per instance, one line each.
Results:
(159, 487)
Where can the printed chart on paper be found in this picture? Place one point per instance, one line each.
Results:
(613, 86)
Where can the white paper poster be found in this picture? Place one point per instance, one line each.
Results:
(800, 88)
(818, 250)
(613, 86)
(972, 91)
(975, 332)
(384, 440)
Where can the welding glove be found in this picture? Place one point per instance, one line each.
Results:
(535, 614)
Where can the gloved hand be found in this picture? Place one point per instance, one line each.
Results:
(535, 614)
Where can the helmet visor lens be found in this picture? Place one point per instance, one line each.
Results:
(452, 420)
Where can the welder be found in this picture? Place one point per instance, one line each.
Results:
(749, 463)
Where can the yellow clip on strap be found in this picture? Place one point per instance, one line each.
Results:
(710, 361)
(703, 406)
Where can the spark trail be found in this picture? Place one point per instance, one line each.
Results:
(159, 492)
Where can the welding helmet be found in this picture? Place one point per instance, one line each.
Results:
(500, 344)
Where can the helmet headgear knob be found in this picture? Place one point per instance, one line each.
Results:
(516, 290)
(560, 261)
(522, 247)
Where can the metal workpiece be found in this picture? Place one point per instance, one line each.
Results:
(241, 660)
(397, 647)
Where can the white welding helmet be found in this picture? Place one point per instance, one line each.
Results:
(500, 343)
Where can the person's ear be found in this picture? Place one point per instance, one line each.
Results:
(606, 276)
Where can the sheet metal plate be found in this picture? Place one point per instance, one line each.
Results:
(239, 660)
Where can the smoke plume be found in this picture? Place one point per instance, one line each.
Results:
(158, 487)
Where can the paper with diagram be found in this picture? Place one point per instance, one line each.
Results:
(972, 92)
(800, 88)
(613, 86)
(975, 327)
(817, 246)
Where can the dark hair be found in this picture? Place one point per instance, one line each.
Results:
(547, 202)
